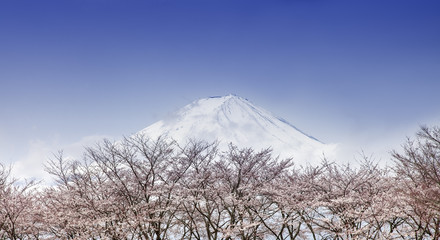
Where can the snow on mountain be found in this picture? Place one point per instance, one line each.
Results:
(232, 119)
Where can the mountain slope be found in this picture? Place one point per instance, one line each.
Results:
(235, 119)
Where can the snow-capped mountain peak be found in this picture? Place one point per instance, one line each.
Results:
(232, 119)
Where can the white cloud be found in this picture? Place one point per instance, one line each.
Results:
(376, 143)
(31, 166)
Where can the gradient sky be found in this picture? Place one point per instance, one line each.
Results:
(361, 73)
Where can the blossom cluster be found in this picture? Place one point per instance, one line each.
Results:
(141, 188)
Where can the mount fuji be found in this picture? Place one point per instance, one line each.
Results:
(232, 119)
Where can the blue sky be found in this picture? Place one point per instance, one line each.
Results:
(365, 73)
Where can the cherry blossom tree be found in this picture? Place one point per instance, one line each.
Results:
(120, 190)
(140, 188)
(418, 172)
(18, 210)
(349, 201)
(243, 174)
